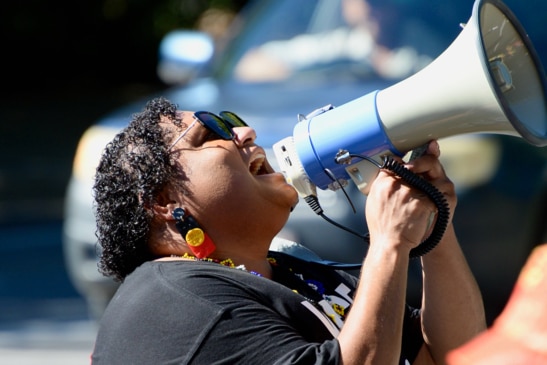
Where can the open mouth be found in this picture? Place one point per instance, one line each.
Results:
(257, 165)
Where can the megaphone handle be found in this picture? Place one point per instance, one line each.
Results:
(434, 194)
(418, 152)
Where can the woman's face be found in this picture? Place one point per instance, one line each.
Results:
(230, 184)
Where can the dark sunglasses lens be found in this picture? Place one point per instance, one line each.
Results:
(215, 124)
(233, 119)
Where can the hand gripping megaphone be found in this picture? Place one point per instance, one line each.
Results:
(489, 80)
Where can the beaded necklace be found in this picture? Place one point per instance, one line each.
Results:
(285, 276)
(226, 262)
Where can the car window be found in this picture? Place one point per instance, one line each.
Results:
(362, 38)
(289, 41)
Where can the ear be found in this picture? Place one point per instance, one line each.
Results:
(163, 206)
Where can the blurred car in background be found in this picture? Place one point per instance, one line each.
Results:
(283, 58)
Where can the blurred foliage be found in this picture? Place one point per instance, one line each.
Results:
(94, 41)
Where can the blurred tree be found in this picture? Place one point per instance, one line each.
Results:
(106, 41)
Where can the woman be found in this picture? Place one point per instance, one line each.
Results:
(187, 206)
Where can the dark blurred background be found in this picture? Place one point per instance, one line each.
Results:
(64, 65)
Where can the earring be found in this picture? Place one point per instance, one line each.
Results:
(198, 241)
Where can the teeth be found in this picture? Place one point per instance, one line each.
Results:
(256, 164)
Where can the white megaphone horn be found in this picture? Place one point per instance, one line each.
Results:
(489, 80)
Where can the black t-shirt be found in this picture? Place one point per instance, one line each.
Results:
(195, 312)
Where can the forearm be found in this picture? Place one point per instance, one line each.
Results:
(452, 308)
(373, 330)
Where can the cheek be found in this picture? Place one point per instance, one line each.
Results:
(218, 188)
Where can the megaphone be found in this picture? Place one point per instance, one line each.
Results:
(490, 80)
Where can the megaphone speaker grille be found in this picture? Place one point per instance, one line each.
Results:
(516, 73)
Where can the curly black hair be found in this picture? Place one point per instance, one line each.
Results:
(134, 167)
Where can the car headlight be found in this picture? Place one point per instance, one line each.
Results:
(89, 151)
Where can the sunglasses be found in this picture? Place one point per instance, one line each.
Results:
(222, 124)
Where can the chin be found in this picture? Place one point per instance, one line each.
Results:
(292, 199)
(295, 204)
(295, 197)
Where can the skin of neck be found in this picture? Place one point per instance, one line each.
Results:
(250, 251)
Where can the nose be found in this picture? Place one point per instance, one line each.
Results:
(244, 136)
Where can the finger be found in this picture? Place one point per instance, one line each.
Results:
(427, 166)
(433, 148)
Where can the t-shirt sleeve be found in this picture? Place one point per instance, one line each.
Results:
(275, 328)
(268, 337)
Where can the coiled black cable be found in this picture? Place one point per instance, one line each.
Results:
(417, 182)
(443, 214)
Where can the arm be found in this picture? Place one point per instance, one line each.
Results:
(452, 308)
(373, 330)
(397, 218)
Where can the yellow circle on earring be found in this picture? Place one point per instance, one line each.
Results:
(195, 237)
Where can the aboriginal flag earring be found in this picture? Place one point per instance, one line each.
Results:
(198, 241)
